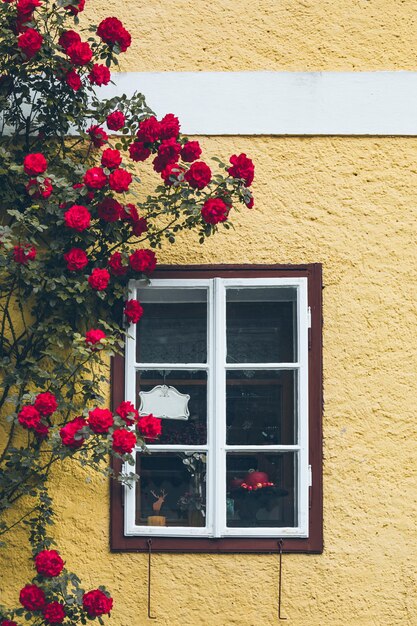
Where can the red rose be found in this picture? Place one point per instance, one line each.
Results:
(76, 259)
(39, 190)
(30, 42)
(169, 151)
(138, 151)
(97, 135)
(123, 441)
(143, 261)
(95, 178)
(76, 6)
(109, 210)
(139, 224)
(119, 180)
(149, 130)
(133, 311)
(54, 613)
(242, 167)
(116, 266)
(127, 412)
(68, 38)
(70, 430)
(20, 23)
(29, 417)
(24, 254)
(198, 176)
(32, 597)
(93, 336)
(25, 8)
(73, 80)
(34, 164)
(250, 203)
(99, 75)
(171, 173)
(139, 227)
(7, 622)
(97, 603)
(191, 151)
(115, 120)
(99, 279)
(46, 403)
(111, 158)
(100, 420)
(129, 213)
(80, 53)
(215, 210)
(149, 426)
(159, 164)
(77, 217)
(112, 31)
(41, 430)
(170, 126)
(48, 563)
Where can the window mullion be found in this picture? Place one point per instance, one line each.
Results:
(219, 415)
(171, 366)
(211, 435)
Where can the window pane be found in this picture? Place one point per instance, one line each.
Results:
(261, 325)
(173, 328)
(189, 431)
(261, 407)
(252, 506)
(171, 490)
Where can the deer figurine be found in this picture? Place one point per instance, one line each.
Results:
(156, 506)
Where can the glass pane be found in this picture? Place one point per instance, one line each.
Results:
(189, 431)
(261, 324)
(171, 490)
(261, 407)
(173, 328)
(261, 490)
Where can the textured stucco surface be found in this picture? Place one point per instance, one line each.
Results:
(348, 203)
(235, 35)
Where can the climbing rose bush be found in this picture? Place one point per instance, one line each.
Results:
(76, 225)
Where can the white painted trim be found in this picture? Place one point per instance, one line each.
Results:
(216, 448)
(220, 407)
(302, 387)
(279, 103)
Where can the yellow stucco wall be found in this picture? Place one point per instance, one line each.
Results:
(348, 203)
(236, 35)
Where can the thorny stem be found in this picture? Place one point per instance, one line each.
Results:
(19, 521)
(6, 307)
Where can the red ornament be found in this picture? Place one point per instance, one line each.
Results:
(255, 477)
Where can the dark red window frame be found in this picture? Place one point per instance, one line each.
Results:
(314, 543)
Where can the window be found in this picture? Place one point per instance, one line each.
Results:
(230, 358)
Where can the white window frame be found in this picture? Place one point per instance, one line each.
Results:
(216, 447)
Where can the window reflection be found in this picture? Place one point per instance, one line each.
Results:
(173, 328)
(261, 490)
(261, 325)
(261, 407)
(192, 431)
(171, 490)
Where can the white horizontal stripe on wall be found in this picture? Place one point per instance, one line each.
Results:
(279, 103)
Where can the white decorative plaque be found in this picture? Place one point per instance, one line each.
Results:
(166, 402)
